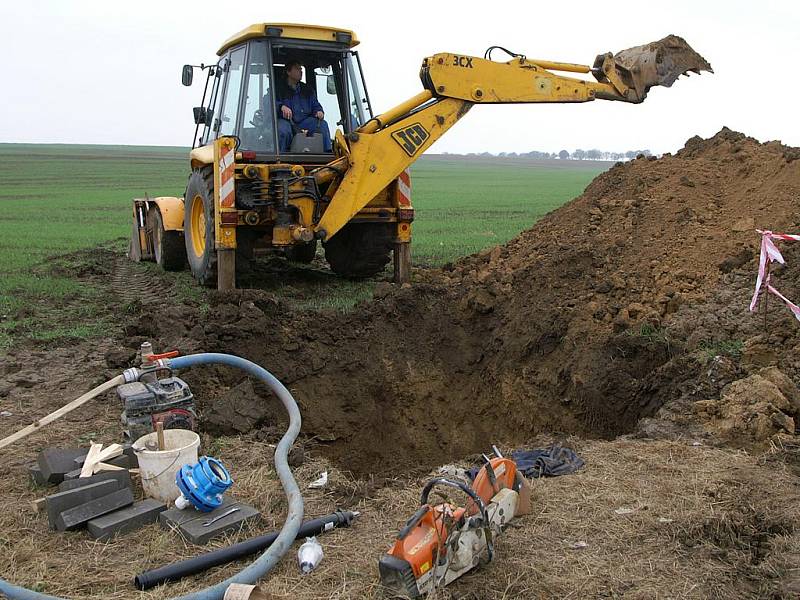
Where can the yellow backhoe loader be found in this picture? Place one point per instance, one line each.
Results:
(263, 178)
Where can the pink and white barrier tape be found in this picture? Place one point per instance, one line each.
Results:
(770, 253)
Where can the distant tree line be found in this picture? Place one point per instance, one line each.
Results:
(578, 154)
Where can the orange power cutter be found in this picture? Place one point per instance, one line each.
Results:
(440, 543)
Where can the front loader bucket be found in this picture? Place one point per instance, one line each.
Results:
(657, 63)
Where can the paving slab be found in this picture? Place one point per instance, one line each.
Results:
(80, 515)
(123, 479)
(57, 462)
(189, 522)
(126, 519)
(58, 503)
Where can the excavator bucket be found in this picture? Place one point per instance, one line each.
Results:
(657, 63)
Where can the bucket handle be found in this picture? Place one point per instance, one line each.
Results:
(167, 468)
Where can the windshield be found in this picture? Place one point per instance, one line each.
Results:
(360, 110)
(258, 123)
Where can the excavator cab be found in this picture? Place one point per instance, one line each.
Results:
(244, 87)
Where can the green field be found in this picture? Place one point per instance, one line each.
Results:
(56, 199)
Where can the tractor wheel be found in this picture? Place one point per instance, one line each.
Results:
(168, 246)
(360, 250)
(198, 226)
(302, 253)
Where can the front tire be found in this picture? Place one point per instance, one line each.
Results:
(198, 226)
(360, 250)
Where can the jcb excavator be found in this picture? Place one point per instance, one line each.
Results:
(249, 189)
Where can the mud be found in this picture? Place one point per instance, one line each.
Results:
(603, 319)
(623, 312)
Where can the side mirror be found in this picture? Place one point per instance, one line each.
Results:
(331, 85)
(187, 75)
(202, 115)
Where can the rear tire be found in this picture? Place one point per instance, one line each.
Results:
(302, 253)
(198, 226)
(168, 246)
(360, 250)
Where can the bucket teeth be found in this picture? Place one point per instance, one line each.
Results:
(657, 63)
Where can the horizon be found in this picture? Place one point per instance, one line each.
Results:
(130, 93)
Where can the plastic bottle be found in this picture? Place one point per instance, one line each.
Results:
(309, 555)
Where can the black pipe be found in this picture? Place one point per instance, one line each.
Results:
(198, 564)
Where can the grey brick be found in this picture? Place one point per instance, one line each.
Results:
(56, 462)
(189, 522)
(123, 479)
(83, 513)
(127, 450)
(126, 519)
(58, 503)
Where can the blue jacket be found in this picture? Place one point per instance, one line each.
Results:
(301, 100)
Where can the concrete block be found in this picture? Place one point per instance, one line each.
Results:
(38, 478)
(126, 519)
(58, 503)
(56, 462)
(189, 522)
(80, 515)
(127, 450)
(123, 479)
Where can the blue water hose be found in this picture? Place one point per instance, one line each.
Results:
(264, 563)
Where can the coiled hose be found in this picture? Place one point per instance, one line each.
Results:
(264, 563)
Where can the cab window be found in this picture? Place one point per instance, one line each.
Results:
(230, 101)
(258, 115)
(326, 94)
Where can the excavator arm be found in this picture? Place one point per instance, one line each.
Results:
(382, 148)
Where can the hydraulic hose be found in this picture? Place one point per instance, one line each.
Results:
(178, 570)
(264, 563)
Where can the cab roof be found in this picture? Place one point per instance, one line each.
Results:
(295, 31)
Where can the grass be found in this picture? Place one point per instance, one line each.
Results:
(467, 204)
(731, 348)
(57, 199)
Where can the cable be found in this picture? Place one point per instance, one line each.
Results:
(488, 54)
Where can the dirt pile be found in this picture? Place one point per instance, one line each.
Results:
(608, 310)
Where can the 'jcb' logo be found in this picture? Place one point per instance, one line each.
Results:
(411, 138)
(462, 61)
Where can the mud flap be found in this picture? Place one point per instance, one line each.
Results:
(140, 245)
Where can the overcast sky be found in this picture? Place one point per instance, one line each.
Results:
(108, 72)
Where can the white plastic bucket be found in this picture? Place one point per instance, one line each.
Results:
(159, 467)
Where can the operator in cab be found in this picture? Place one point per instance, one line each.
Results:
(299, 109)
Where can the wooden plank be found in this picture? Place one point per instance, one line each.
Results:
(101, 466)
(26, 431)
(91, 459)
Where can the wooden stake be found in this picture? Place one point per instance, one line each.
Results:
(91, 460)
(160, 433)
(39, 505)
(26, 431)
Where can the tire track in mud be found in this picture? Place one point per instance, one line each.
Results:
(131, 283)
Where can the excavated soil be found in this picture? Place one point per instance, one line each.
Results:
(610, 316)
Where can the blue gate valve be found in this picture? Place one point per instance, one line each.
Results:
(203, 484)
